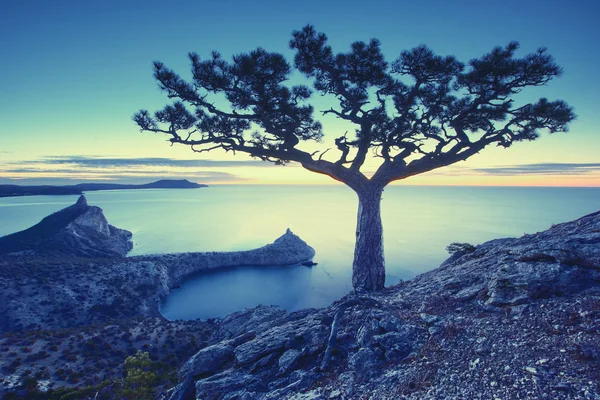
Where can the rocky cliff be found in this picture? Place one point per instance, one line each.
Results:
(514, 318)
(79, 230)
(69, 270)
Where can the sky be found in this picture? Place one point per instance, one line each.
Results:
(72, 73)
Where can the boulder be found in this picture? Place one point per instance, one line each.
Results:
(249, 320)
(227, 386)
(207, 361)
(294, 334)
(397, 345)
(288, 360)
(365, 363)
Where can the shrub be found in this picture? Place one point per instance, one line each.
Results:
(456, 247)
(140, 378)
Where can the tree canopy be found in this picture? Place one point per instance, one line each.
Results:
(423, 111)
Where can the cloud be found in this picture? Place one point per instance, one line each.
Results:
(121, 172)
(149, 161)
(87, 169)
(201, 177)
(72, 177)
(542, 169)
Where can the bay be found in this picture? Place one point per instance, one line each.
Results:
(419, 222)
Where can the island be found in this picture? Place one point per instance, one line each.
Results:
(49, 190)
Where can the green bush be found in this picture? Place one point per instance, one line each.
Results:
(140, 379)
(456, 247)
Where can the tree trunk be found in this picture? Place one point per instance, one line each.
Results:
(368, 268)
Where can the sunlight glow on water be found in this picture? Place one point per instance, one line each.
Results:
(419, 222)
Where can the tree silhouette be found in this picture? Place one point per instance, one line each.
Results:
(420, 113)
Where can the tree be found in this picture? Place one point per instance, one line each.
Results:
(419, 113)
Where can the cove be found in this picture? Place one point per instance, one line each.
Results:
(213, 294)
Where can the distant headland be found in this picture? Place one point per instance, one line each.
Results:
(18, 190)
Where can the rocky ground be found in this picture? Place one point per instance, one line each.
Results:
(89, 355)
(509, 319)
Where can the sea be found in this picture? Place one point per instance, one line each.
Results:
(418, 223)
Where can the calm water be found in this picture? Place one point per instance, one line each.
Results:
(419, 222)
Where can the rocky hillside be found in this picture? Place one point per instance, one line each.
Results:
(79, 230)
(72, 308)
(49, 364)
(509, 319)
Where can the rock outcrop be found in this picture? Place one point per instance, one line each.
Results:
(563, 260)
(288, 249)
(80, 230)
(515, 318)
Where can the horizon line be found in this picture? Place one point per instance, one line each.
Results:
(333, 183)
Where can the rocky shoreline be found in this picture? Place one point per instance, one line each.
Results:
(515, 318)
(288, 249)
(78, 276)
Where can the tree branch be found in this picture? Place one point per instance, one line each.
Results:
(450, 112)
